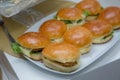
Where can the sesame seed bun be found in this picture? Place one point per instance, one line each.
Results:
(112, 15)
(79, 36)
(61, 57)
(92, 6)
(99, 29)
(54, 29)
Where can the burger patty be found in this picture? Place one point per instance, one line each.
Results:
(67, 64)
(33, 51)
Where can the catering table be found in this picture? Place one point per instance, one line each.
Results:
(25, 70)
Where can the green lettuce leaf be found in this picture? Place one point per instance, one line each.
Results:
(16, 48)
(86, 13)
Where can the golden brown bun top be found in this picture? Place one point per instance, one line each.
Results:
(98, 28)
(111, 14)
(53, 28)
(78, 36)
(61, 52)
(93, 6)
(33, 40)
(69, 14)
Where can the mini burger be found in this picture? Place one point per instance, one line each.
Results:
(32, 43)
(80, 37)
(62, 57)
(91, 8)
(101, 30)
(70, 16)
(112, 15)
(53, 29)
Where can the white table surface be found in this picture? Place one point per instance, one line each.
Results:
(26, 71)
(4, 77)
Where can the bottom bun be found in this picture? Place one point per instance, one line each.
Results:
(102, 39)
(69, 26)
(90, 18)
(116, 27)
(58, 67)
(36, 57)
(85, 49)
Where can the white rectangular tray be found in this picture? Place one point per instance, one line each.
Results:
(96, 52)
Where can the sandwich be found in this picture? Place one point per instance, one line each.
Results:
(63, 57)
(101, 30)
(70, 16)
(112, 15)
(32, 43)
(53, 29)
(90, 7)
(80, 37)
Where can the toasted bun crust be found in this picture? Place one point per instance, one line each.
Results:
(112, 15)
(78, 36)
(93, 6)
(33, 40)
(54, 29)
(69, 14)
(58, 67)
(98, 28)
(61, 52)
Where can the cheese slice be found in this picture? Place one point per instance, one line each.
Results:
(26, 51)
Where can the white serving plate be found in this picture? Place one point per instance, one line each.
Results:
(96, 52)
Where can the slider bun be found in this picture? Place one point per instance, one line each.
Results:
(33, 40)
(99, 29)
(58, 67)
(69, 14)
(79, 36)
(56, 55)
(54, 29)
(61, 52)
(93, 7)
(112, 15)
